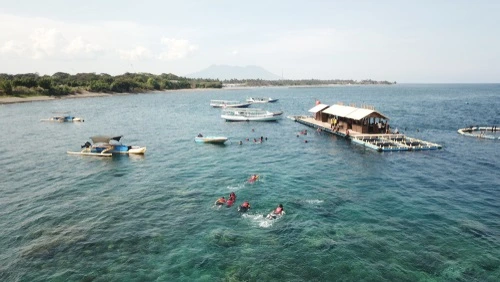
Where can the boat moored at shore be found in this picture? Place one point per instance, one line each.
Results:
(250, 115)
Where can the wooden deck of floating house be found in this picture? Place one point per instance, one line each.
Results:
(370, 136)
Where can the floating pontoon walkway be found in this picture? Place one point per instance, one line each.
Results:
(378, 142)
(481, 132)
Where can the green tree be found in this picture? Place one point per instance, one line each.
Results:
(6, 86)
(153, 84)
(45, 83)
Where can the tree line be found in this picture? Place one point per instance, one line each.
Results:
(61, 83)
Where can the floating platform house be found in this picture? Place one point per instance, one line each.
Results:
(363, 126)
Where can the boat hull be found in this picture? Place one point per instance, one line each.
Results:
(243, 105)
(261, 100)
(93, 154)
(210, 139)
(116, 149)
(122, 149)
(268, 117)
(55, 119)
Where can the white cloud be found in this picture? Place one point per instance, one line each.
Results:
(138, 53)
(235, 52)
(13, 47)
(176, 49)
(50, 43)
(46, 43)
(79, 47)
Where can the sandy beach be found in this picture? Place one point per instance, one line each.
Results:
(86, 94)
(13, 100)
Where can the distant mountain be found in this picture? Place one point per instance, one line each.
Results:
(225, 72)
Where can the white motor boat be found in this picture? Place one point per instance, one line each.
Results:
(250, 115)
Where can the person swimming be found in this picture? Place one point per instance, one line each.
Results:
(276, 212)
(220, 201)
(244, 207)
(253, 178)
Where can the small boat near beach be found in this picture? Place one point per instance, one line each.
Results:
(210, 139)
(228, 104)
(250, 115)
(261, 100)
(106, 146)
(64, 117)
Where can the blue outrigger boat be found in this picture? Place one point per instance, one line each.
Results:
(106, 146)
(64, 117)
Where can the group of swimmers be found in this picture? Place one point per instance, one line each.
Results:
(222, 201)
(303, 132)
(245, 206)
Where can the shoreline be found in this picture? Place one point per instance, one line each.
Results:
(15, 100)
(4, 100)
(86, 94)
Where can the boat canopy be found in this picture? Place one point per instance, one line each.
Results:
(352, 112)
(243, 110)
(224, 102)
(318, 108)
(105, 139)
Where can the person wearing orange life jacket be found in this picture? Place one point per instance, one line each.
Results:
(244, 207)
(231, 200)
(220, 201)
(276, 212)
(253, 178)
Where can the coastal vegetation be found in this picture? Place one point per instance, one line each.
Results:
(60, 83)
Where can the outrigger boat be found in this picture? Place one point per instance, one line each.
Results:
(250, 115)
(210, 139)
(261, 100)
(228, 104)
(64, 117)
(106, 146)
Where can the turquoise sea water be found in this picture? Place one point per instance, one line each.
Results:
(352, 214)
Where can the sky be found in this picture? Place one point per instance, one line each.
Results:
(440, 41)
